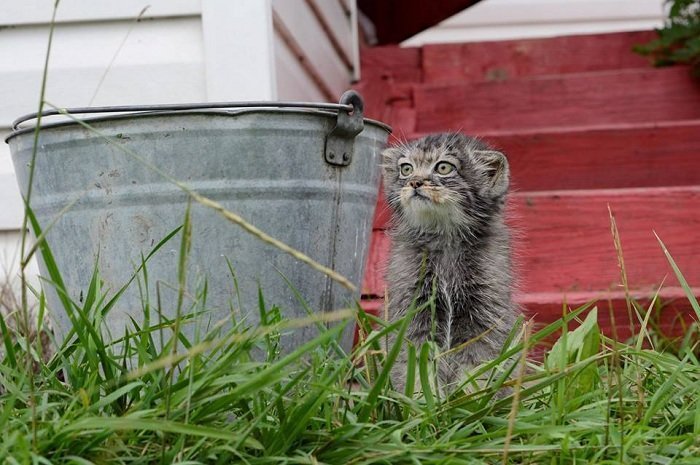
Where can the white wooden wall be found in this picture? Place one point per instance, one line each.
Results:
(179, 51)
(516, 19)
(316, 48)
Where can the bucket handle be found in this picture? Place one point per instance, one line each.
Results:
(340, 142)
(341, 108)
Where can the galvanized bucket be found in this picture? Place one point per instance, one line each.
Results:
(306, 174)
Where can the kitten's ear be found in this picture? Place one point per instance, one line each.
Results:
(389, 157)
(496, 167)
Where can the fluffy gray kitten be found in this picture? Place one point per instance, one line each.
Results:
(447, 196)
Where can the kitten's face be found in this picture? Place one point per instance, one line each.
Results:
(444, 182)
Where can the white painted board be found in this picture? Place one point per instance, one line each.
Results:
(306, 31)
(293, 83)
(115, 63)
(238, 51)
(25, 12)
(515, 19)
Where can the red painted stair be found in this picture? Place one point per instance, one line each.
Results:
(587, 125)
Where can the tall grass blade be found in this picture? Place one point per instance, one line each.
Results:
(9, 355)
(424, 363)
(50, 263)
(381, 380)
(89, 425)
(681, 279)
(141, 269)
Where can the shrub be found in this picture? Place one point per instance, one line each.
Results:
(679, 39)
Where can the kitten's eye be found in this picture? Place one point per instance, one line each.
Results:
(444, 168)
(406, 169)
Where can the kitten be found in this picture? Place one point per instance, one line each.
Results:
(447, 197)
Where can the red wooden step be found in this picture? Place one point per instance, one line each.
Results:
(563, 243)
(621, 156)
(675, 312)
(391, 63)
(595, 157)
(384, 101)
(597, 98)
(674, 317)
(373, 284)
(502, 60)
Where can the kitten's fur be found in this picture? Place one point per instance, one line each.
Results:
(449, 239)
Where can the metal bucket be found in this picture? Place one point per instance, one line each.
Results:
(307, 174)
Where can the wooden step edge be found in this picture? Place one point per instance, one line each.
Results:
(573, 300)
(675, 316)
(629, 36)
(646, 71)
(558, 130)
(607, 192)
(611, 193)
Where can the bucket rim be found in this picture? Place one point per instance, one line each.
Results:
(119, 112)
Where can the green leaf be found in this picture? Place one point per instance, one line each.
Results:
(579, 345)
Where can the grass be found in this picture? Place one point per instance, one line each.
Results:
(231, 395)
(160, 394)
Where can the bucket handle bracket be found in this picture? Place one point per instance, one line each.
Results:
(340, 142)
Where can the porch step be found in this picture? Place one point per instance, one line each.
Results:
(563, 243)
(392, 63)
(600, 157)
(510, 59)
(503, 60)
(583, 99)
(653, 154)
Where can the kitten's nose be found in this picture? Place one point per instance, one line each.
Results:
(415, 183)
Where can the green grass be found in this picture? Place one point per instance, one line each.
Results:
(231, 396)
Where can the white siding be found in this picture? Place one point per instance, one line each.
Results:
(25, 12)
(293, 81)
(238, 50)
(514, 19)
(92, 63)
(9, 261)
(10, 200)
(11, 211)
(119, 62)
(318, 35)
